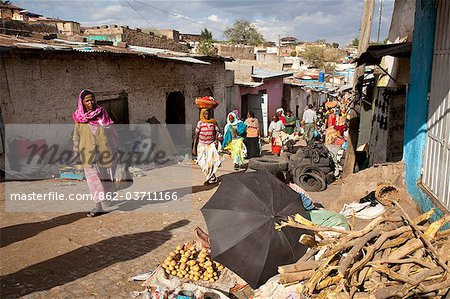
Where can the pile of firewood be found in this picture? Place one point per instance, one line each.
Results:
(392, 257)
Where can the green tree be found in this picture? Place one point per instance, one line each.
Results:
(244, 33)
(206, 35)
(315, 56)
(321, 41)
(355, 42)
(206, 47)
(206, 44)
(335, 45)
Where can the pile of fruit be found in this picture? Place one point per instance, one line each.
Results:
(187, 262)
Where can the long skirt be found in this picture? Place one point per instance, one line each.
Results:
(100, 183)
(236, 148)
(252, 144)
(276, 149)
(208, 159)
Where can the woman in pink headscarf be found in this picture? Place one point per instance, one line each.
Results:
(93, 140)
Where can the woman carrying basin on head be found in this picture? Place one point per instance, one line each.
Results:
(205, 142)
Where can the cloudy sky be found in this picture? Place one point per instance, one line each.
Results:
(307, 20)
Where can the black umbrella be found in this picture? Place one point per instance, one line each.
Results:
(241, 219)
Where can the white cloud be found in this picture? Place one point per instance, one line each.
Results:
(179, 16)
(318, 17)
(214, 18)
(110, 12)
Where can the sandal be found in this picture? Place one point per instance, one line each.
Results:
(97, 211)
(213, 180)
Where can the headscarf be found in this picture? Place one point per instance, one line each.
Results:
(229, 123)
(236, 113)
(202, 117)
(99, 116)
(281, 110)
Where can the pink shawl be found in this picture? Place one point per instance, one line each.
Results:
(99, 116)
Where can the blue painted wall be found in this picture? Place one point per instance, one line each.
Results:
(417, 99)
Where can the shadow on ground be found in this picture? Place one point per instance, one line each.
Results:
(19, 232)
(84, 261)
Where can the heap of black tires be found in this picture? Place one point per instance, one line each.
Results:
(311, 167)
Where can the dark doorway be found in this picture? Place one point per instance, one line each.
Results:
(175, 108)
(176, 115)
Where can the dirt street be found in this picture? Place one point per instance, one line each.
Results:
(48, 255)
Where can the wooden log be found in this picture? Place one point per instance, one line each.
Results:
(299, 267)
(406, 249)
(319, 274)
(443, 234)
(362, 275)
(329, 281)
(309, 241)
(372, 225)
(387, 292)
(398, 241)
(385, 255)
(405, 269)
(437, 286)
(352, 239)
(404, 261)
(308, 255)
(312, 228)
(392, 274)
(423, 238)
(374, 275)
(372, 248)
(353, 253)
(296, 276)
(434, 227)
(424, 217)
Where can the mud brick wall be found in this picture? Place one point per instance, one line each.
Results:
(134, 37)
(237, 52)
(43, 86)
(142, 39)
(13, 27)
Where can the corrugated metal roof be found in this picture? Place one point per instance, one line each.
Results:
(264, 73)
(44, 46)
(64, 45)
(168, 54)
(186, 59)
(249, 84)
(69, 42)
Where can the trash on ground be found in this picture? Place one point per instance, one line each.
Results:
(141, 276)
(362, 210)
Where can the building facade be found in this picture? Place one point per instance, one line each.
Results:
(427, 119)
(41, 86)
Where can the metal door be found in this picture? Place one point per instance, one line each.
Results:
(436, 172)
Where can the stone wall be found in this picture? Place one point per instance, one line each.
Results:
(235, 51)
(134, 37)
(13, 27)
(42, 87)
(139, 38)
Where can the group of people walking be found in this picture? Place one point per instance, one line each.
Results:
(240, 139)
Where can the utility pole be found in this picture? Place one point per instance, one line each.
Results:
(353, 130)
(379, 20)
